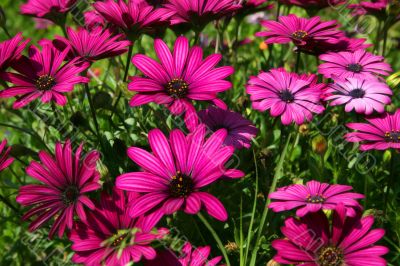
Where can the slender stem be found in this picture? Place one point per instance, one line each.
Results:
(378, 39)
(128, 60)
(241, 260)
(296, 69)
(92, 110)
(278, 11)
(7, 33)
(385, 36)
(8, 203)
(278, 175)
(216, 237)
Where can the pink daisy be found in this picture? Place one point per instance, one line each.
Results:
(53, 10)
(179, 168)
(314, 196)
(380, 133)
(5, 159)
(343, 44)
(313, 4)
(313, 241)
(134, 17)
(240, 130)
(253, 6)
(200, 13)
(300, 31)
(363, 95)
(109, 236)
(43, 75)
(295, 98)
(93, 45)
(358, 64)
(179, 78)
(10, 50)
(65, 181)
(374, 7)
(93, 19)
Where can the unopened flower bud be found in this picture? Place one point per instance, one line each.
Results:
(263, 46)
(231, 247)
(319, 145)
(304, 129)
(272, 263)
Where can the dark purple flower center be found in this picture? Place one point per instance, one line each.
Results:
(181, 185)
(45, 82)
(177, 88)
(118, 239)
(357, 68)
(286, 96)
(70, 195)
(299, 35)
(357, 93)
(330, 256)
(392, 136)
(315, 198)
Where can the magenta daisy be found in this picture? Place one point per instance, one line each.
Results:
(5, 159)
(364, 96)
(10, 50)
(109, 236)
(179, 78)
(313, 4)
(358, 64)
(314, 196)
(200, 13)
(179, 168)
(292, 97)
(380, 133)
(313, 241)
(93, 19)
(65, 181)
(300, 31)
(374, 7)
(343, 44)
(134, 17)
(240, 130)
(43, 75)
(93, 45)
(54, 10)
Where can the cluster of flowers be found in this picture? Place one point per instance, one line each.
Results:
(121, 226)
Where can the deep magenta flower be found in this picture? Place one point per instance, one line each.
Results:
(358, 64)
(200, 13)
(313, 4)
(374, 7)
(314, 196)
(293, 97)
(5, 159)
(344, 44)
(313, 241)
(10, 50)
(380, 133)
(93, 19)
(65, 181)
(134, 17)
(109, 236)
(43, 75)
(363, 95)
(240, 130)
(50, 9)
(173, 176)
(181, 77)
(93, 45)
(300, 31)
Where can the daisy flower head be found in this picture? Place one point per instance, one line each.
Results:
(292, 97)
(358, 64)
(374, 7)
(10, 50)
(5, 159)
(65, 181)
(380, 133)
(54, 10)
(179, 78)
(173, 176)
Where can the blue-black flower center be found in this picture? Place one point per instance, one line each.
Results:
(392, 136)
(319, 198)
(286, 96)
(118, 239)
(357, 93)
(330, 256)
(180, 185)
(299, 35)
(45, 82)
(70, 195)
(357, 68)
(177, 88)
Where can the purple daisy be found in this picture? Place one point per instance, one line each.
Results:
(373, 7)
(54, 10)
(179, 78)
(314, 241)
(293, 97)
(10, 50)
(380, 133)
(240, 130)
(314, 196)
(358, 64)
(363, 95)
(300, 31)
(5, 159)
(173, 176)
(43, 75)
(344, 44)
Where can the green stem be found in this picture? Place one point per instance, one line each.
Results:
(296, 69)
(385, 36)
(93, 111)
(8, 203)
(128, 60)
(216, 238)
(7, 33)
(278, 175)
